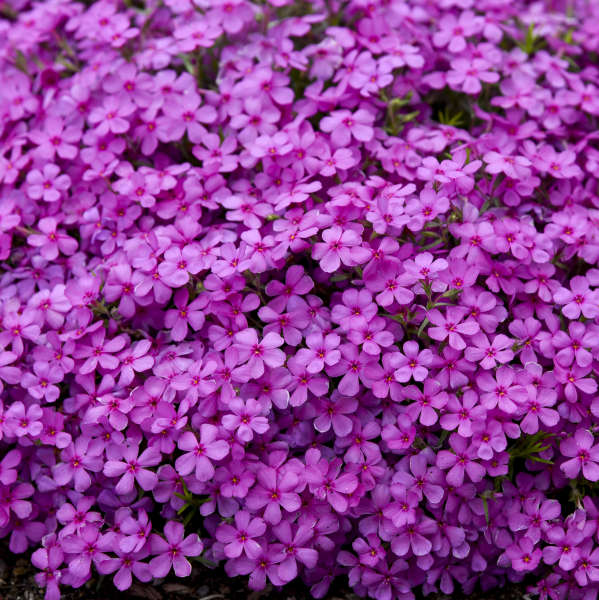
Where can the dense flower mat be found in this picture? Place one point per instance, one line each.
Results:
(309, 288)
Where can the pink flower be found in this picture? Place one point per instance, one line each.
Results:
(501, 391)
(185, 315)
(24, 421)
(452, 31)
(321, 351)
(41, 384)
(54, 139)
(466, 74)
(488, 354)
(585, 455)
(172, 550)
(560, 165)
(451, 326)
(111, 117)
(52, 241)
(460, 462)
(246, 419)
(343, 125)
(257, 354)
(239, 538)
(132, 468)
(47, 184)
(101, 352)
(178, 264)
(579, 299)
(339, 246)
(413, 363)
(199, 455)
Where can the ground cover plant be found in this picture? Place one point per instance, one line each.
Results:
(307, 289)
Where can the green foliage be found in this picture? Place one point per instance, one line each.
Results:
(192, 504)
(531, 43)
(446, 118)
(529, 447)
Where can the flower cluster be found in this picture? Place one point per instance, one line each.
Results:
(310, 288)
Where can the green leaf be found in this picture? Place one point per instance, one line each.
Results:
(422, 326)
(21, 62)
(531, 42)
(187, 63)
(445, 118)
(486, 509)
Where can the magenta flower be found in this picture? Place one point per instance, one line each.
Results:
(355, 367)
(101, 352)
(560, 165)
(240, 538)
(588, 564)
(369, 550)
(579, 299)
(40, 383)
(246, 419)
(574, 379)
(343, 125)
(23, 420)
(178, 264)
(451, 326)
(357, 309)
(185, 315)
(134, 359)
(584, 455)
(575, 345)
(260, 567)
(564, 547)
(501, 391)
(296, 549)
(172, 550)
(119, 286)
(321, 351)
(333, 413)
(199, 455)
(274, 490)
(133, 469)
(297, 284)
(111, 117)
(47, 184)
(257, 354)
(462, 461)
(488, 354)
(516, 167)
(86, 547)
(326, 481)
(54, 139)
(126, 565)
(78, 458)
(536, 518)
(537, 411)
(425, 402)
(51, 241)
(338, 247)
(48, 560)
(524, 555)
(413, 363)
(466, 74)
(413, 536)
